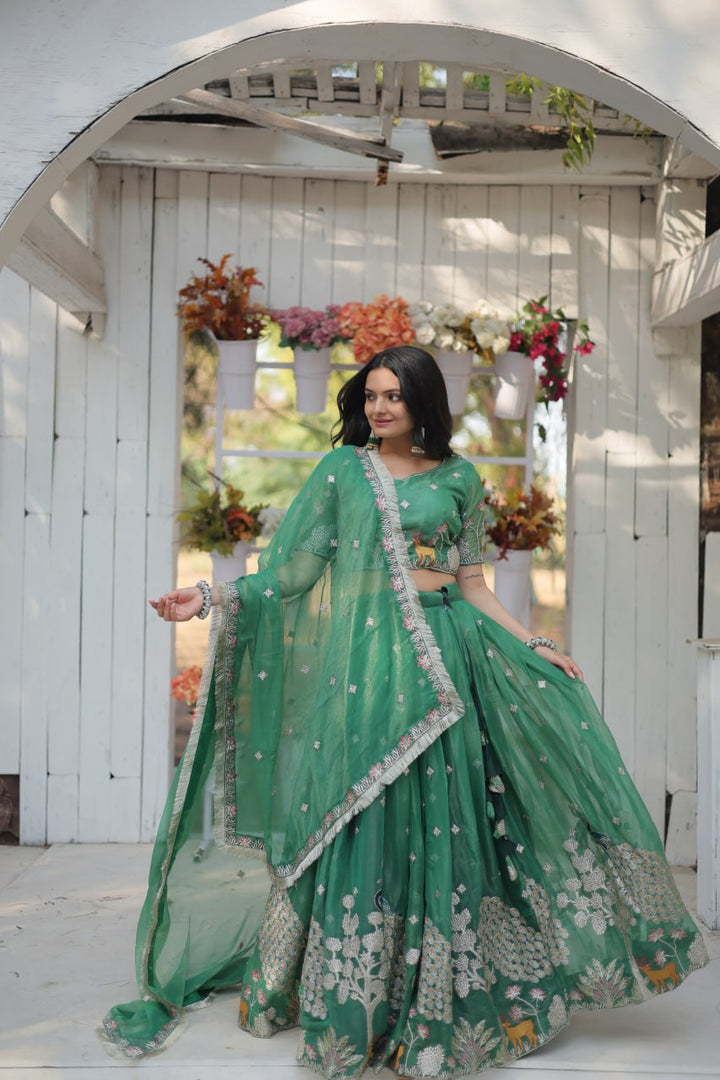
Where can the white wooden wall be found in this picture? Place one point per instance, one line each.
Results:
(87, 669)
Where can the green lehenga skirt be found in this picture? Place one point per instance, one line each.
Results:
(510, 877)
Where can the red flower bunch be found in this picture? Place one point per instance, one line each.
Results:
(537, 332)
(186, 685)
(219, 301)
(376, 326)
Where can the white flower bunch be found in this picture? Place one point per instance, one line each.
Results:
(436, 324)
(490, 327)
(270, 517)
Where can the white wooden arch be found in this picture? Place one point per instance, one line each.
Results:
(109, 64)
(651, 61)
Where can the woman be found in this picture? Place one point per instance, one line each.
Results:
(455, 858)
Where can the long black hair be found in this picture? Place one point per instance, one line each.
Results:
(423, 392)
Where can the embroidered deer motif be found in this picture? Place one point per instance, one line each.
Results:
(660, 976)
(524, 1030)
(425, 554)
(243, 1012)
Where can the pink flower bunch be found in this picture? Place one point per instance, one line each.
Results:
(304, 328)
(536, 333)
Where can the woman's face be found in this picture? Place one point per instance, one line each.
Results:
(385, 409)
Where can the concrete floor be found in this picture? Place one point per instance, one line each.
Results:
(67, 925)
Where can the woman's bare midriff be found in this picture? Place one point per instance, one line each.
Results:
(428, 580)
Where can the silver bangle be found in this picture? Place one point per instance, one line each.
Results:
(207, 599)
(534, 642)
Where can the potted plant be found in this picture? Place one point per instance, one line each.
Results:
(444, 326)
(220, 523)
(311, 334)
(219, 303)
(521, 521)
(537, 333)
(375, 326)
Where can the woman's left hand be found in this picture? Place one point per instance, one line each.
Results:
(560, 660)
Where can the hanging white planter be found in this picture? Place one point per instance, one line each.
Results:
(230, 567)
(312, 371)
(512, 584)
(456, 368)
(236, 373)
(515, 383)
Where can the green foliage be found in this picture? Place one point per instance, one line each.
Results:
(575, 113)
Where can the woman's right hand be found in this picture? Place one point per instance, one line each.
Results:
(179, 605)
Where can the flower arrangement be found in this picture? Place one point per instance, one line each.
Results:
(521, 520)
(537, 333)
(441, 325)
(304, 328)
(219, 301)
(186, 686)
(375, 326)
(217, 523)
(490, 330)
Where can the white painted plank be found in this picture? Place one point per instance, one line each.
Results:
(564, 249)
(14, 327)
(590, 376)
(411, 240)
(503, 228)
(498, 94)
(623, 301)
(255, 217)
(454, 87)
(283, 281)
(159, 667)
(134, 330)
(651, 485)
(683, 511)
(438, 276)
(348, 242)
(62, 808)
(585, 606)
(224, 217)
(380, 241)
(64, 613)
(410, 85)
(191, 224)
(681, 847)
(128, 617)
(620, 595)
(35, 686)
(71, 374)
(317, 245)
(650, 625)
(124, 808)
(368, 85)
(324, 82)
(708, 787)
(711, 592)
(165, 358)
(535, 237)
(96, 691)
(12, 512)
(103, 356)
(41, 403)
(470, 246)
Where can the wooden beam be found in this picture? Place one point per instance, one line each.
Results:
(366, 145)
(53, 258)
(688, 289)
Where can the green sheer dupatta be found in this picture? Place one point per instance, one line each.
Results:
(323, 683)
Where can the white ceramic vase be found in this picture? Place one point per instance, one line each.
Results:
(515, 382)
(236, 373)
(312, 371)
(512, 584)
(230, 567)
(456, 368)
